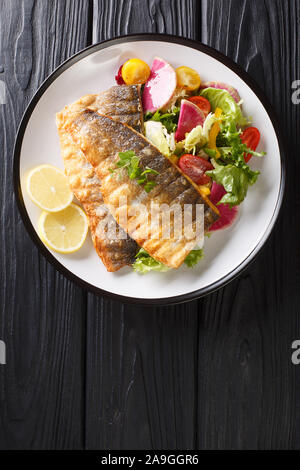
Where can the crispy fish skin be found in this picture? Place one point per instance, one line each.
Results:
(115, 248)
(112, 244)
(122, 103)
(101, 139)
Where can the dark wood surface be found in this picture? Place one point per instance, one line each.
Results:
(87, 372)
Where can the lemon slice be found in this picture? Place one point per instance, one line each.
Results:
(48, 188)
(64, 231)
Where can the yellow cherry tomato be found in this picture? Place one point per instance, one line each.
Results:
(188, 78)
(135, 71)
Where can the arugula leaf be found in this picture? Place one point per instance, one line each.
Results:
(145, 263)
(193, 257)
(131, 162)
(169, 120)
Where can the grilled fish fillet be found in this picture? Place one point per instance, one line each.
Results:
(115, 248)
(101, 139)
(122, 103)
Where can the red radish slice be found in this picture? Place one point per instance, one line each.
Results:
(227, 214)
(160, 86)
(216, 193)
(190, 116)
(223, 86)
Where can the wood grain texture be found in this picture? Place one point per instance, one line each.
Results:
(118, 17)
(247, 383)
(42, 314)
(140, 376)
(141, 362)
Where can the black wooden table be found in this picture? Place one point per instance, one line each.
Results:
(86, 372)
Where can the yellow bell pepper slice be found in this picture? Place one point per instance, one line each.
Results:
(215, 129)
(204, 190)
(174, 159)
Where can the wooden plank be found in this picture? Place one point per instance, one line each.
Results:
(247, 383)
(116, 18)
(42, 316)
(141, 361)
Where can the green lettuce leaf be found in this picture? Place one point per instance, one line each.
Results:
(235, 181)
(144, 263)
(232, 168)
(222, 99)
(193, 257)
(169, 120)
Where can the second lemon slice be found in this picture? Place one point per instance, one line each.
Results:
(64, 231)
(48, 188)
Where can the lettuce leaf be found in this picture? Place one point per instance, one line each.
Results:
(193, 139)
(232, 171)
(235, 181)
(207, 125)
(194, 257)
(145, 263)
(154, 132)
(222, 99)
(169, 120)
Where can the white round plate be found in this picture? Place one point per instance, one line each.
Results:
(226, 252)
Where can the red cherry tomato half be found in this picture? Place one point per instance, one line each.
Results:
(118, 77)
(250, 137)
(201, 102)
(195, 167)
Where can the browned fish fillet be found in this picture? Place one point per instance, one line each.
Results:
(112, 244)
(122, 103)
(101, 139)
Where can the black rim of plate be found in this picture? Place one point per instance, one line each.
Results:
(103, 45)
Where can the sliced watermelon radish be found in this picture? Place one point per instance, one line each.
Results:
(160, 86)
(227, 214)
(222, 86)
(190, 116)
